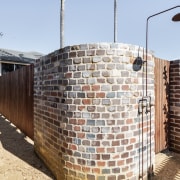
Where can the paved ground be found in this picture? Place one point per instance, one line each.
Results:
(17, 158)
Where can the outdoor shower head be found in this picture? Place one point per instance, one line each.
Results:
(176, 17)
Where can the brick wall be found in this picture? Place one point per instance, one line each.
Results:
(86, 117)
(174, 106)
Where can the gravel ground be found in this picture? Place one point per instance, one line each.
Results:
(17, 158)
(19, 162)
(167, 166)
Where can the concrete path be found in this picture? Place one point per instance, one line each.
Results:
(17, 158)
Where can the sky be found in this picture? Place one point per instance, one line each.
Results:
(34, 25)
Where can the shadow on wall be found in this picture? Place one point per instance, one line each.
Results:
(166, 106)
(15, 143)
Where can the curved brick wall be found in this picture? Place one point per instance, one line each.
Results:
(86, 112)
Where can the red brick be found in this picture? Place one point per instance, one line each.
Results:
(90, 95)
(77, 128)
(112, 177)
(120, 162)
(115, 143)
(54, 94)
(124, 141)
(129, 160)
(132, 140)
(86, 169)
(77, 167)
(124, 128)
(80, 135)
(72, 121)
(129, 121)
(120, 136)
(129, 147)
(111, 163)
(101, 80)
(125, 155)
(100, 150)
(116, 157)
(86, 88)
(110, 150)
(129, 174)
(86, 101)
(68, 75)
(101, 163)
(110, 136)
(73, 147)
(95, 87)
(125, 87)
(81, 121)
(100, 95)
(105, 156)
(96, 170)
(80, 108)
(69, 165)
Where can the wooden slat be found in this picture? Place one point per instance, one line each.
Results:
(16, 98)
(161, 104)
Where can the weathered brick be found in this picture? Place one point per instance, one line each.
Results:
(90, 94)
(100, 66)
(81, 67)
(101, 163)
(101, 150)
(90, 136)
(85, 88)
(106, 59)
(111, 150)
(96, 59)
(86, 74)
(105, 171)
(100, 95)
(95, 143)
(121, 177)
(101, 80)
(100, 52)
(86, 101)
(88, 106)
(91, 177)
(106, 74)
(72, 54)
(105, 156)
(81, 53)
(96, 170)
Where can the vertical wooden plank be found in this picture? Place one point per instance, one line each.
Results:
(161, 104)
(16, 98)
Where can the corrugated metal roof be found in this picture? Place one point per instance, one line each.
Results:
(18, 56)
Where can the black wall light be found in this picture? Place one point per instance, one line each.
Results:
(137, 64)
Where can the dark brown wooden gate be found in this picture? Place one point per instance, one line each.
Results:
(161, 104)
(16, 98)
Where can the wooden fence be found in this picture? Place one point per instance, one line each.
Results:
(16, 98)
(16, 101)
(161, 104)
